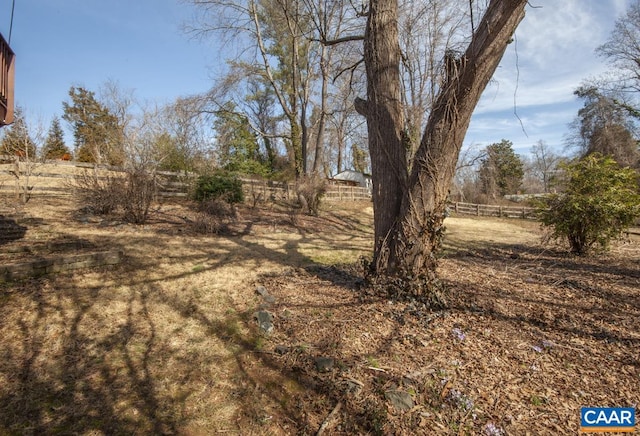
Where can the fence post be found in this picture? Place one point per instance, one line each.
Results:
(477, 210)
(455, 208)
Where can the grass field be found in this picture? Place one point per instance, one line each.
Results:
(167, 343)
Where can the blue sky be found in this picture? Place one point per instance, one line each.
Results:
(137, 43)
(140, 45)
(552, 55)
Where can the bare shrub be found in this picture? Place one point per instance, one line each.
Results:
(256, 197)
(218, 207)
(310, 189)
(214, 214)
(293, 209)
(139, 192)
(100, 194)
(131, 193)
(207, 224)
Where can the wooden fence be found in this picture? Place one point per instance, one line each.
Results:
(55, 178)
(347, 193)
(263, 190)
(493, 210)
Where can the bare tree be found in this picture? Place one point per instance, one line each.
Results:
(623, 50)
(427, 31)
(285, 59)
(466, 183)
(409, 194)
(544, 163)
(333, 18)
(19, 142)
(346, 130)
(603, 126)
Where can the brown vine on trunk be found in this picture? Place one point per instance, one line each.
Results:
(409, 208)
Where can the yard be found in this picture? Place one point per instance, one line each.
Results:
(167, 342)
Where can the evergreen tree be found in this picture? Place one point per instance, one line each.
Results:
(501, 171)
(168, 154)
(54, 146)
(238, 146)
(97, 133)
(17, 140)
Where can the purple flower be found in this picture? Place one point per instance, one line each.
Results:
(458, 334)
(460, 400)
(468, 404)
(490, 429)
(537, 349)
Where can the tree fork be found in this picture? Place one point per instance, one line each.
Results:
(409, 208)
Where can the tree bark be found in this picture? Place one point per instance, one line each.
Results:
(324, 97)
(385, 120)
(409, 209)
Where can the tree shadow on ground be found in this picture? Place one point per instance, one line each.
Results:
(67, 370)
(79, 358)
(604, 319)
(10, 230)
(117, 357)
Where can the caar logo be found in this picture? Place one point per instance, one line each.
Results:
(607, 419)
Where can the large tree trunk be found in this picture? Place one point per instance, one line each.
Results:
(385, 120)
(409, 210)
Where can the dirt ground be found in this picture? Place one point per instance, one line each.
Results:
(167, 342)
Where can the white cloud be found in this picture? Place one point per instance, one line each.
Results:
(553, 54)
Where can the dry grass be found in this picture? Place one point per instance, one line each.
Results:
(160, 344)
(166, 342)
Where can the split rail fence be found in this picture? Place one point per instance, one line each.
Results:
(493, 210)
(56, 179)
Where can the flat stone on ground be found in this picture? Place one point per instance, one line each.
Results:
(401, 400)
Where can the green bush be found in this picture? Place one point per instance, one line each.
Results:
(219, 186)
(599, 201)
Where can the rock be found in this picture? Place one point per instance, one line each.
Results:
(281, 349)
(286, 314)
(401, 400)
(324, 364)
(265, 295)
(265, 321)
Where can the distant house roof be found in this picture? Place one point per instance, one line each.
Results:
(354, 177)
